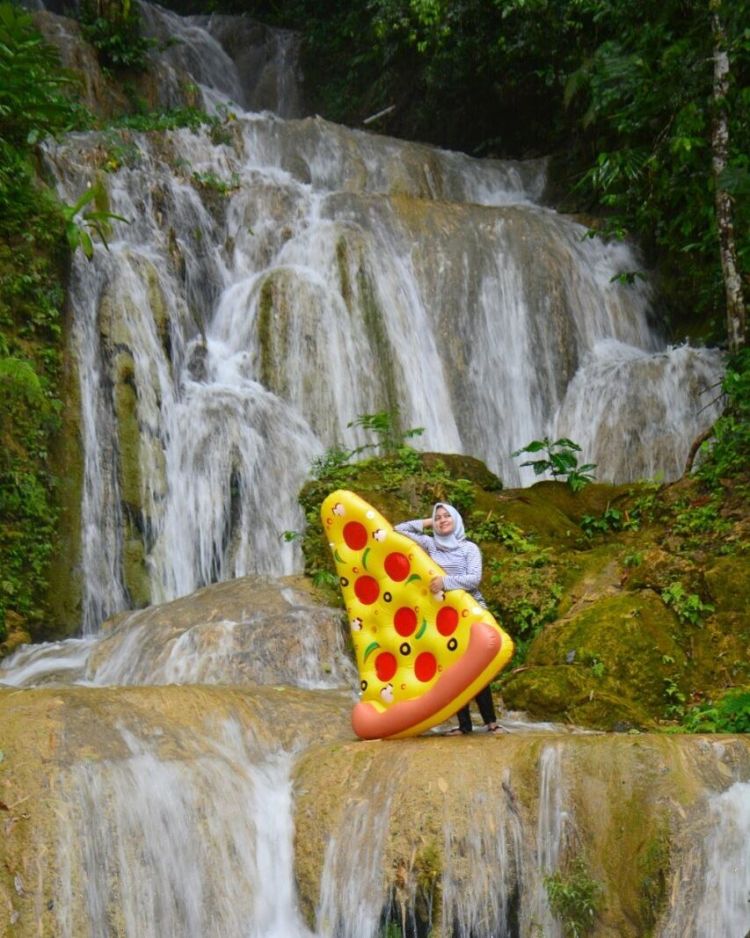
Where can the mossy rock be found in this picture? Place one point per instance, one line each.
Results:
(632, 640)
(659, 568)
(720, 651)
(564, 693)
(464, 467)
(535, 516)
(592, 499)
(728, 583)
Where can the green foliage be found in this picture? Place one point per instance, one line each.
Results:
(525, 585)
(559, 460)
(574, 897)
(34, 90)
(635, 559)
(33, 104)
(335, 464)
(491, 529)
(173, 119)
(727, 453)
(610, 520)
(675, 699)
(386, 427)
(27, 512)
(114, 30)
(688, 606)
(209, 180)
(645, 99)
(598, 668)
(97, 220)
(730, 714)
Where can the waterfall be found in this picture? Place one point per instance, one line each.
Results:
(243, 631)
(484, 875)
(351, 887)
(277, 278)
(717, 871)
(550, 841)
(144, 853)
(271, 288)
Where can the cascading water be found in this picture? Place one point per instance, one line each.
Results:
(271, 288)
(351, 889)
(718, 869)
(147, 823)
(484, 869)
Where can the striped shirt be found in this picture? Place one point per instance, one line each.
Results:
(462, 565)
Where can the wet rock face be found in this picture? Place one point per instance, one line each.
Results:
(245, 631)
(251, 629)
(143, 793)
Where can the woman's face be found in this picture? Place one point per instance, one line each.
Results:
(444, 523)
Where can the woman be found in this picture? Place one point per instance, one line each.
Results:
(462, 561)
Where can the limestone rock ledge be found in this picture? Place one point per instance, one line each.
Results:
(436, 833)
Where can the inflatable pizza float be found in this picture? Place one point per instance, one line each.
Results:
(421, 656)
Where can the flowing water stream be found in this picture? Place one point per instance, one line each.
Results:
(277, 278)
(195, 846)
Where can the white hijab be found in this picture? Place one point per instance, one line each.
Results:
(448, 541)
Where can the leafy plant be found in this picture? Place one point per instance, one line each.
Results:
(113, 27)
(726, 454)
(330, 464)
(574, 897)
(209, 180)
(34, 103)
(699, 520)
(598, 668)
(33, 87)
(675, 698)
(385, 426)
(98, 220)
(633, 560)
(506, 533)
(688, 606)
(334, 464)
(559, 460)
(730, 714)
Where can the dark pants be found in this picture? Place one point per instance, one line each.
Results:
(486, 709)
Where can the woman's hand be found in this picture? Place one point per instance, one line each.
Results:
(436, 584)
(427, 522)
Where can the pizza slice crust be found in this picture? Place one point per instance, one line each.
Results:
(455, 687)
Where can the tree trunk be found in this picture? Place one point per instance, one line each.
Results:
(736, 317)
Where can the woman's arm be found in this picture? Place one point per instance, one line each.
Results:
(413, 530)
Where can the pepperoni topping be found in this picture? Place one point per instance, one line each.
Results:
(385, 666)
(397, 566)
(355, 535)
(447, 620)
(425, 666)
(405, 621)
(366, 589)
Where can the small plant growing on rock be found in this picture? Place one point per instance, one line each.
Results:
(730, 714)
(574, 898)
(688, 606)
(559, 460)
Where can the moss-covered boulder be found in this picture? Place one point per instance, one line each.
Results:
(623, 649)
